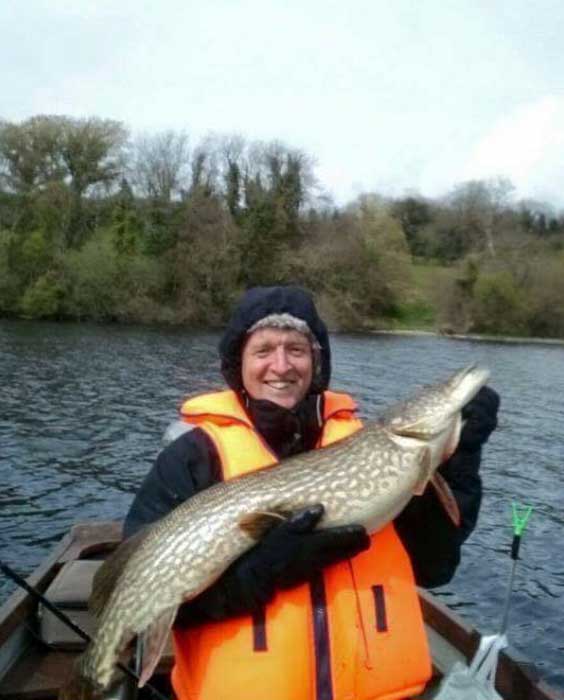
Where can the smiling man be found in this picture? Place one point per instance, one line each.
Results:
(277, 363)
(298, 616)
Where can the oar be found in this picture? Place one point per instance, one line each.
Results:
(39, 597)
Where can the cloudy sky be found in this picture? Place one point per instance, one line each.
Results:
(388, 95)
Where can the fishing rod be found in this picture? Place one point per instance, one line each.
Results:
(478, 680)
(520, 518)
(39, 597)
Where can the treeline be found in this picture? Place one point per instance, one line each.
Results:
(95, 224)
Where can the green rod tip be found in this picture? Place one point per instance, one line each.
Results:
(521, 514)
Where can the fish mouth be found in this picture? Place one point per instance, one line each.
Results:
(423, 430)
(466, 383)
(447, 436)
(434, 411)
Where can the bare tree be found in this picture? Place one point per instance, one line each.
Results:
(232, 149)
(206, 165)
(480, 205)
(161, 164)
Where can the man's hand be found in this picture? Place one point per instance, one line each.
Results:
(480, 419)
(294, 551)
(290, 554)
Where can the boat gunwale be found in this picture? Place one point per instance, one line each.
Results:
(517, 677)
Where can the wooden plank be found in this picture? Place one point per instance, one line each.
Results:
(449, 625)
(444, 654)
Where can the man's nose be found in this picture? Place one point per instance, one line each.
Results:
(280, 362)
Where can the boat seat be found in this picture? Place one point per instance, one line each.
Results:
(69, 591)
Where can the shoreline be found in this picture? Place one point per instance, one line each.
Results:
(473, 336)
(370, 331)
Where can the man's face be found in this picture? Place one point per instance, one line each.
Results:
(277, 365)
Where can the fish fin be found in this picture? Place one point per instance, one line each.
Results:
(424, 457)
(155, 638)
(446, 498)
(107, 575)
(258, 523)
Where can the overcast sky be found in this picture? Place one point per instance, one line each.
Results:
(388, 95)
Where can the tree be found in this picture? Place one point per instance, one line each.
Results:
(73, 154)
(232, 149)
(362, 267)
(233, 189)
(479, 206)
(206, 166)
(30, 154)
(544, 297)
(499, 304)
(161, 165)
(276, 185)
(204, 264)
(29, 162)
(414, 214)
(456, 297)
(126, 224)
(91, 150)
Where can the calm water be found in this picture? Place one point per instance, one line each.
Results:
(83, 408)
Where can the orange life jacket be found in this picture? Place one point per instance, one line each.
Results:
(355, 634)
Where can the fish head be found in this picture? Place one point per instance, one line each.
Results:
(433, 415)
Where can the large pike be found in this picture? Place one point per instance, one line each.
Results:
(366, 478)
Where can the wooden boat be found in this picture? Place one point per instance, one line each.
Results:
(31, 669)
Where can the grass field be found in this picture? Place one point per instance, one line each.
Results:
(418, 310)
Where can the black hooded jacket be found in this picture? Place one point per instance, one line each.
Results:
(191, 463)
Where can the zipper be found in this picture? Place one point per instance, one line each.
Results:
(259, 630)
(321, 640)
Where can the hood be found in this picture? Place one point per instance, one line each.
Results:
(259, 302)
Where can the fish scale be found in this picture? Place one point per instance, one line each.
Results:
(366, 478)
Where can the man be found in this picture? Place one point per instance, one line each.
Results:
(306, 613)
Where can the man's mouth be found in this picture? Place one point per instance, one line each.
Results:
(279, 385)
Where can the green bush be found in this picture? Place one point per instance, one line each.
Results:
(43, 299)
(545, 305)
(36, 255)
(365, 265)
(499, 304)
(91, 274)
(11, 282)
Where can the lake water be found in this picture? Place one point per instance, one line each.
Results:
(83, 409)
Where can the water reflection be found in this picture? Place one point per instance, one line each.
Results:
(83, 409)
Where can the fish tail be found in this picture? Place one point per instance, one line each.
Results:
(79, 687)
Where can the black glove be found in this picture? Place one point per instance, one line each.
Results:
(289, 554)
(480, 416)
(293, 552)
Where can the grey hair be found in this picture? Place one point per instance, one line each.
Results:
(286, 322)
